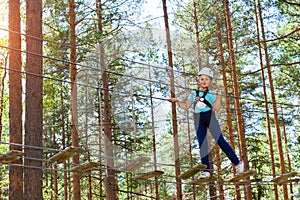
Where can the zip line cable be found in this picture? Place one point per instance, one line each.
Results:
(128, 60)
(143, 79)
(142, 95)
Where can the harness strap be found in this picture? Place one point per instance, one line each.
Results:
(202, 98)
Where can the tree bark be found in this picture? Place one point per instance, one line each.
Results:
(74, 103)
(15, 98)
(33, 102)
(238, 111)
(174, 114)
(110, 183)
(153, 138)
(274, 105)
(199, 60)
(287, 151)
(65, 174)
(266, 104)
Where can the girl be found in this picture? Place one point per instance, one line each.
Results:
(204, 103)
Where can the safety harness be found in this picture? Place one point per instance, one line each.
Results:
(203, 99)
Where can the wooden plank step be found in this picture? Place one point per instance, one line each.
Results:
(145, 176)
(244, 182)
(135, 164)
(10, 156)
(284, 177)
(192, 171)
(65, 154)
(203, 180)
(87, 167)
(240, 176)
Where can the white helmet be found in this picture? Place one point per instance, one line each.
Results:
(207, 72)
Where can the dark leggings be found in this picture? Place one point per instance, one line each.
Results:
(205, 120)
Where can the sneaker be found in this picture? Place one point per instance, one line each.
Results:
(205, 175)
(239, 168)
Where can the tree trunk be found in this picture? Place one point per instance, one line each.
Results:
(227, 93)
(274, 105)
(62, 105)
(287, 151)
(90, 194)
(54, 178)
(100, 124)
(219, 174)
(189, 135)
(74, 108)
(34, 102)
(15, 98)
(100, 118)
(199, 60)
(2, 99)
(174, 115)
(238, 106)
(266, 104)
(110, 183)
(153, 138)
(212, 155)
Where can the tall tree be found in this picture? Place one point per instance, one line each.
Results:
(266, 102)
(273, 97)
(34, 102)
(74, 109)
(237, 103)
(196, 24)
(225, 84)
(110, 183)
(172, 90)
(15, 97)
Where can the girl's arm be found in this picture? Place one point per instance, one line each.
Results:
(186, 105)
(217, 104)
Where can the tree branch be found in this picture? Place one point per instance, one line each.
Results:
(285, 64)
(291, 3)
(284, 36)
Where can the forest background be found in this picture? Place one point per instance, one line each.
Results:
(107, 70)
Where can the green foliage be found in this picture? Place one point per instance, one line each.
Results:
(139, 85)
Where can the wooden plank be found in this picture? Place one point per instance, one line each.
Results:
(284, 177)
(87, 167)
(65, 154)
(10, 156)
(145, 176)
(243, 182)
(135, 164)
(192, 171)
(203, 180)
(240, 176)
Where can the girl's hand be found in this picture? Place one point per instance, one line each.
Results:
(217, 104)
(173, 100)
